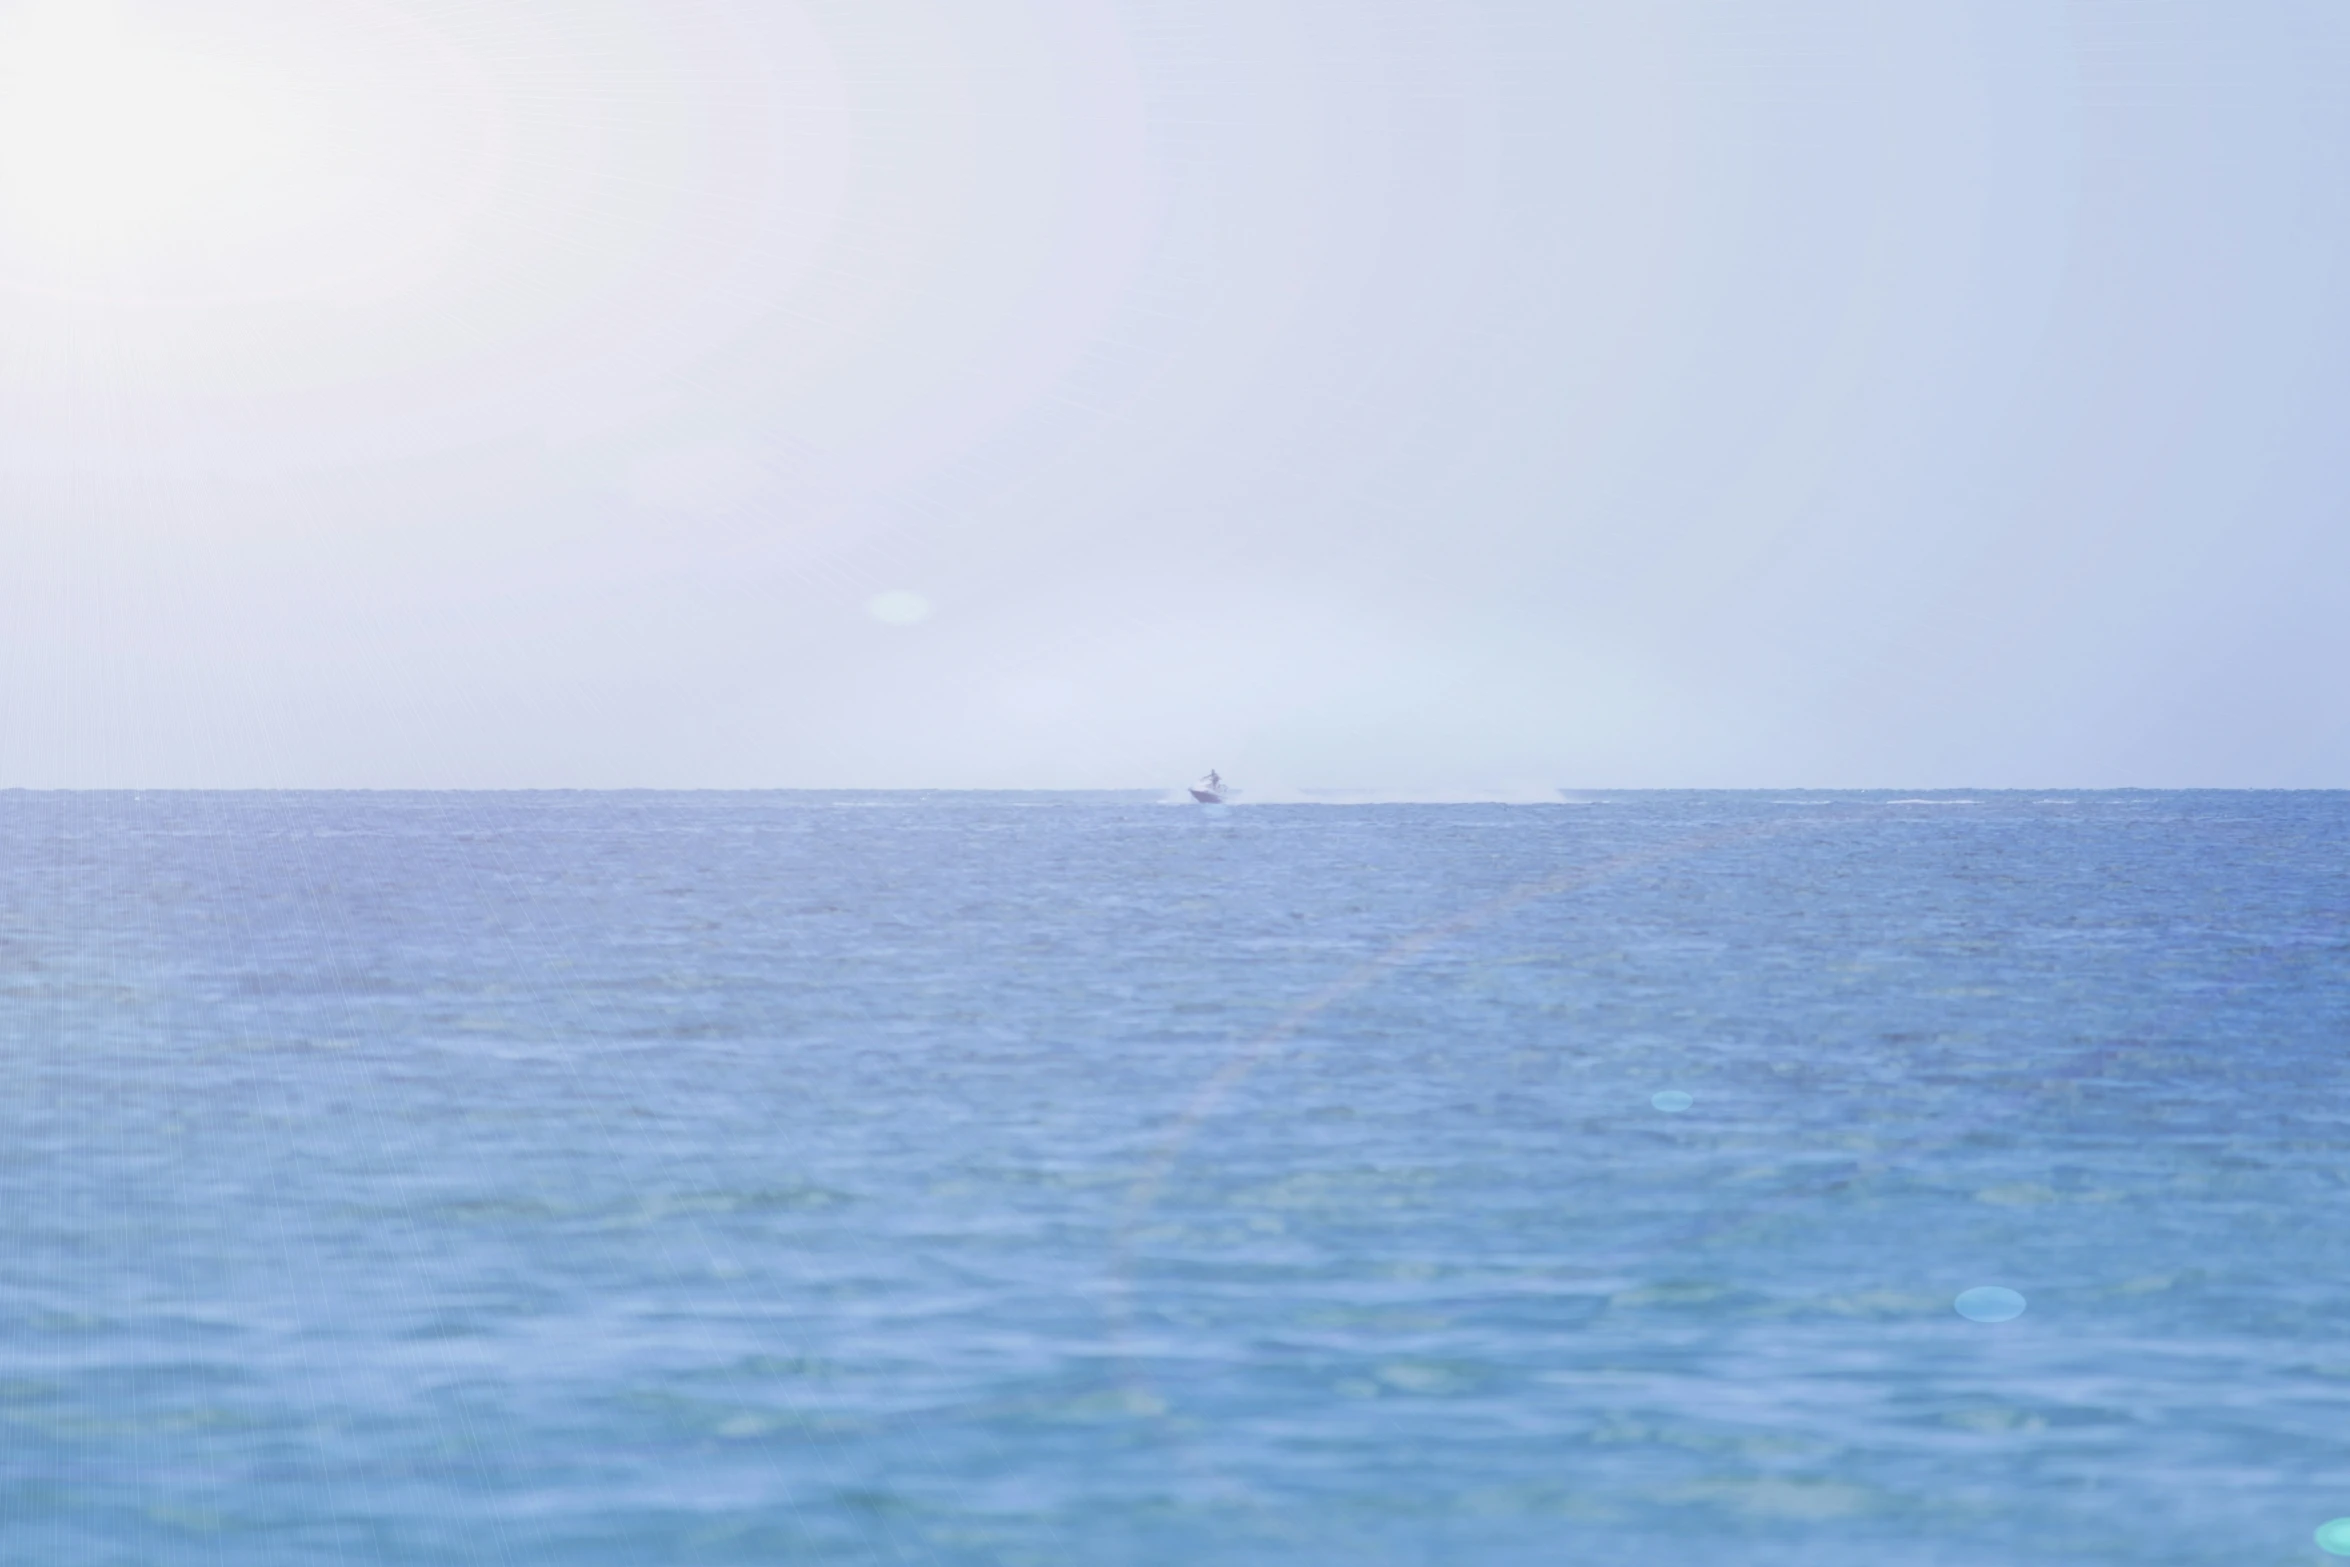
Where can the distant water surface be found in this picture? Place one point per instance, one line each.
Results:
(962, 1179)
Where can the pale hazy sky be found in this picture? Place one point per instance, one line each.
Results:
(1454, 395)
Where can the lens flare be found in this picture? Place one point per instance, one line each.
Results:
(1989, 1303)
(898, 608)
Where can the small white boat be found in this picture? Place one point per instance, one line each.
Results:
(1212, 790)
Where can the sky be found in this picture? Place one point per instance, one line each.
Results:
(1449, 398)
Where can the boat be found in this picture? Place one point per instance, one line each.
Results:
(1212, 789)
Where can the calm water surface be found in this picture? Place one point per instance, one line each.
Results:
(803, 1178)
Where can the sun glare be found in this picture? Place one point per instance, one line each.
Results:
(125, 152)
(266, 193)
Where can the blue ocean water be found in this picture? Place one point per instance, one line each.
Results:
(898, 1178)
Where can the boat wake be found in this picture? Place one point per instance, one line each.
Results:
(1276, 794)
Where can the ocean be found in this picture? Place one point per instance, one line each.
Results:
(818, 1178)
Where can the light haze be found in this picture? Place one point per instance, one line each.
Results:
(1429, 397)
